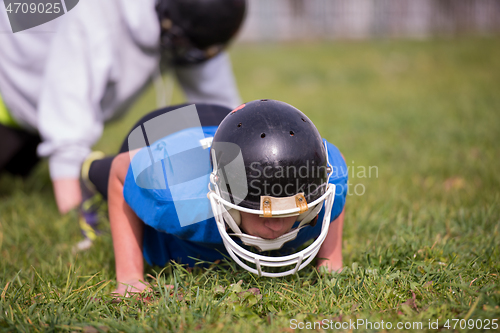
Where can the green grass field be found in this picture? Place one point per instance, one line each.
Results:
(421, 243)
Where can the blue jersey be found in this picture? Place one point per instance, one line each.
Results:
(165, 206)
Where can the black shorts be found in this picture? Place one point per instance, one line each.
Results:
(18, 150)
(210, 115)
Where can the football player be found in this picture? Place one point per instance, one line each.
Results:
(61, 83)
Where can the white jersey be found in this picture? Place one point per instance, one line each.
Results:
(95, 62)
(23, 57)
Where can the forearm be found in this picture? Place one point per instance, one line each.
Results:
(330, 253)
(126, 228)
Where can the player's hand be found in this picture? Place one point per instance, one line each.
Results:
(67, 193)
(129, 288)
(329, 266)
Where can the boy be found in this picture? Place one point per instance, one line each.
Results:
(274, 184)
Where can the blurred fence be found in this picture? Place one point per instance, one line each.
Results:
(361, 19)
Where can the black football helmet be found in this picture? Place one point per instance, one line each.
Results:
(269, 159)
(193, 31)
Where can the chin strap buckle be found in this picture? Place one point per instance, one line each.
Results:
(271, 205)
(301, 203)
(266, 206)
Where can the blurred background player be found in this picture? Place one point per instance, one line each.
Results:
(61, 81)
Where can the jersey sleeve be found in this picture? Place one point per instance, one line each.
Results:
(77, 70)
(338, 178)
(210, 82)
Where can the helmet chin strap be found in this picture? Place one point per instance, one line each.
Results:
(307, 217)
(267, 244)
(304, 218)
(232, 217)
